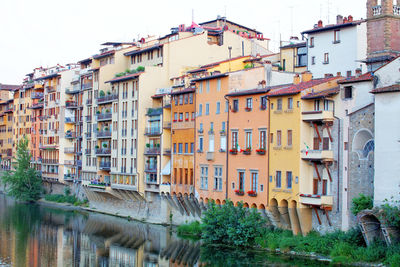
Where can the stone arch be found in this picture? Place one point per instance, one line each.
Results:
(273, 202)
(294, 217)
(371, 227)
(223, 202)
(218, 202)
(284, 212)
(206, 200)
(254, 206)
(185, 195)
(237, 204)
(261, 207)
(246, 205)
(363, 143)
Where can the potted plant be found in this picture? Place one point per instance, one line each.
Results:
(252, 193)
(105, 128)
(246, 151)
(157, 145)
(260, 151)
(97, 147)
(105, 145)
(98, 112)
(107, 111)
(102, 93)
(97, 129)
(108, 93)
(239, 192)
(233, 151)
(147, 145)
(248, 109)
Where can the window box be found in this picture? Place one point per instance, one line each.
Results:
(211, 131)
(200, 130)
(222, 150)
(222, 132)
(246, 151)
(260, 151)
(199, 151)
(252, 193)
(233, 151)
(263, 107)
(239, 192)
(180, 120)
(247, 109)
(186, 119)
(234, 110)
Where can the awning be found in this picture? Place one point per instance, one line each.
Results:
(167, 169)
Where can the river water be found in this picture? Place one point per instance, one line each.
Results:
(36, 235)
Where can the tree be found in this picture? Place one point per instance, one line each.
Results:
(23, 182)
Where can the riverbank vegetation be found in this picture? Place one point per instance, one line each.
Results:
(66, 198)
(241, 227)
(23, 182)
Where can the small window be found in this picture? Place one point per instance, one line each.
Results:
(289, 180)
(207, 112)
(249, 103)
(336, 36)
(200, 109)
(326, 58)
(348, 92)
(289, 138)
(312, 42)
(279, 138)
(279, 104)
(312, 60)
(235, 105)
(218, 85)
(316, 105)
(278, 177)
(218, 108)
(290, 103)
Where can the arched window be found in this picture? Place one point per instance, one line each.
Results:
(369, 146)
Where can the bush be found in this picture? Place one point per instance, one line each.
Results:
(360, 203)
(192, 230)
(390, 214)
(230, 225)
(102, 93)
(67, 191)
(140, 68)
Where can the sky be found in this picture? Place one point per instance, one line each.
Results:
(36, 33)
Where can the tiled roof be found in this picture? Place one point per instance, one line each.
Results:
(105, 54)
(333, 27)
(145, 49)
(124, 78)
(297, 88)
(362, 78)
(231, 22)
(222, 61)
(86, 60)
(50, 76)
(322, 94)
(210, 77)
(184, 91)
(387, 89)
(9, 87)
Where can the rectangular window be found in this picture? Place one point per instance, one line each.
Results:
(180, 148)
(186, 148)
(186, 98)
(235, 140)
(190, 98)
(191, 148)
(218, 85)
(223, 143)
(263, 139)
(316, 105)
(278, 179)
(348, 92)
(249, 139)
(218, 108)
(271, 138)
(336, 36)
(324, 187)
(289, 180)
(313, 60)
(200, 87)
(211, 143)
(326, 58)
(218, 178)
(180, 116)
(207, 112)
(175, 116)
(180, 99)
(241, 178)
(326, 104)
(312, 42)
(201, 139)
(279, 104)
(315, 186)
(235, 105)
(226, 106)
(249, 103)
(279, 138)
(223, 126)
(264, 103)
(289, 138)
(208, 86)
(200, 109)
(325, 143)
(204, 178)
(254, 181)
(176, 100)
(290, 103)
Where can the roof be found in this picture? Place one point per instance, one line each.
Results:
(322, 94)
(362, 78)
(135, 52)
(231, 22)
(387, 89)
(125, 77)
(118, 43)
(301, 44)
(86, 60)
(334, 27)
(293, 89)
(197, 70)
(9, 87)
(250, 92)
(210, 77)
(105, 54)
(222, 61)
(48, 76)
(184, 91)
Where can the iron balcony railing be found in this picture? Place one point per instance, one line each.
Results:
(107, 98)
(103, 151)
(87, 85)
(104, 116)
(153, 131)
(105, 165)
(152, 150)
(104, 134)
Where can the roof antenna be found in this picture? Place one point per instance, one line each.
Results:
(291, 18)
(192, 15)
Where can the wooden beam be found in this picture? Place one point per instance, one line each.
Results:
(316, 169)
(329, 173)
(316, 129)
(327, 217)
(328, 128)
(316, 212)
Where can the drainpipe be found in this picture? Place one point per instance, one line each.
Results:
(269, 142)
(227, 154)
(302, 35)
(338, 182)
(195, 140)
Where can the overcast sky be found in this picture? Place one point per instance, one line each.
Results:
(37, 33)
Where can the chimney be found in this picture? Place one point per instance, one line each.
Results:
(338, 74)
(345, 20)
(296, 79)
(306, 76)
(328, 75)
(320, 24)
(358, 72)
(350, 18)
(339, 19)
(268, 72)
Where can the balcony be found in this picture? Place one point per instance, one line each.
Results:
(320, 115)
(316, 200)
(88, 151)
(104, 134)
(78, 163)
(87, 85)
(152, 131)
(103, 151)
(50, 161)
(69, 162)
(69, 177)
(396, 10)
(72, 90)
(50, 176)
(167, 125)
(104, 116)
(50, 89)
(317, 155)
(48, 146)
(88, 118)
(151, 168)
(377, 10)
(210, 156)
(88, 135)
(89, 101)
(69, 150)
(165, 188)
(105, 166)
(70, 135)
(37, 106)
(152, 151)
(69, 120)
(107, 99)
(129, 187)
(37, 95)
(71, 104)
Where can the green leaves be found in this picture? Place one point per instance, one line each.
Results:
(360, 203)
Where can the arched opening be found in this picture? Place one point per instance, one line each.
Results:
(294, 218)
(363, 143)
(246, 205)
(218, 202)
(237, 204)
(206, 201)
(254, 206)
(261, 207)
(223, 202)
(273, 202)
(284, 212)
(371, 227)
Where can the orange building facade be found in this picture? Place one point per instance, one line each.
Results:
(248, 148)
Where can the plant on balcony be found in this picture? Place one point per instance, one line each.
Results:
(246, 151)
(157, 145)
(147, 145)
(98, 112)
(140, 68)
(260, 151)
(105, 128)
(102, 93)
(174, 120)
(233, 151)
(187, 119)
(97, 147)
(252, 193)
(222, 132)
(108, 93)
(107, 111)
(247, 109)
(105, 145)
(234, 110)
(239, 192)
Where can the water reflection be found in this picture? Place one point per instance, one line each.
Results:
(40, 236)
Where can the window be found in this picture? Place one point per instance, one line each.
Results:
(218, 108)
(200, 87)
(264, 102)
(180, 116)
(186, 98)
(325, 143)
(223, 126)
(223, 143)
(263, 139)
(180, 148)
(200, 109)
(290, 103)
(249, 137)
(278, 179)
(336, 36)
(218, 178)
(190, 98)
(201, 143)
(211, 143)
(289, 138)
(180, 99)
(208, 86)
(212, 126)
(226, 106)
(249, 103)
(235, 105)
(201, 126)
(186, 148)
(191, 148)
(326, 104)
(312, 42)
(316, 105)
(348, 92)
(284, 65)
(324, 187)
(369, 146)
(204, 178)
(279, 104)
(218, 85)
(187, 116)
(174, 148)
(279, 138)
(301, 56)
(313, 60)
(326, 58)
(254, 181)
(271, 138)
(289, 180)
(241, 180)
(235, 140)
(207, 112)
